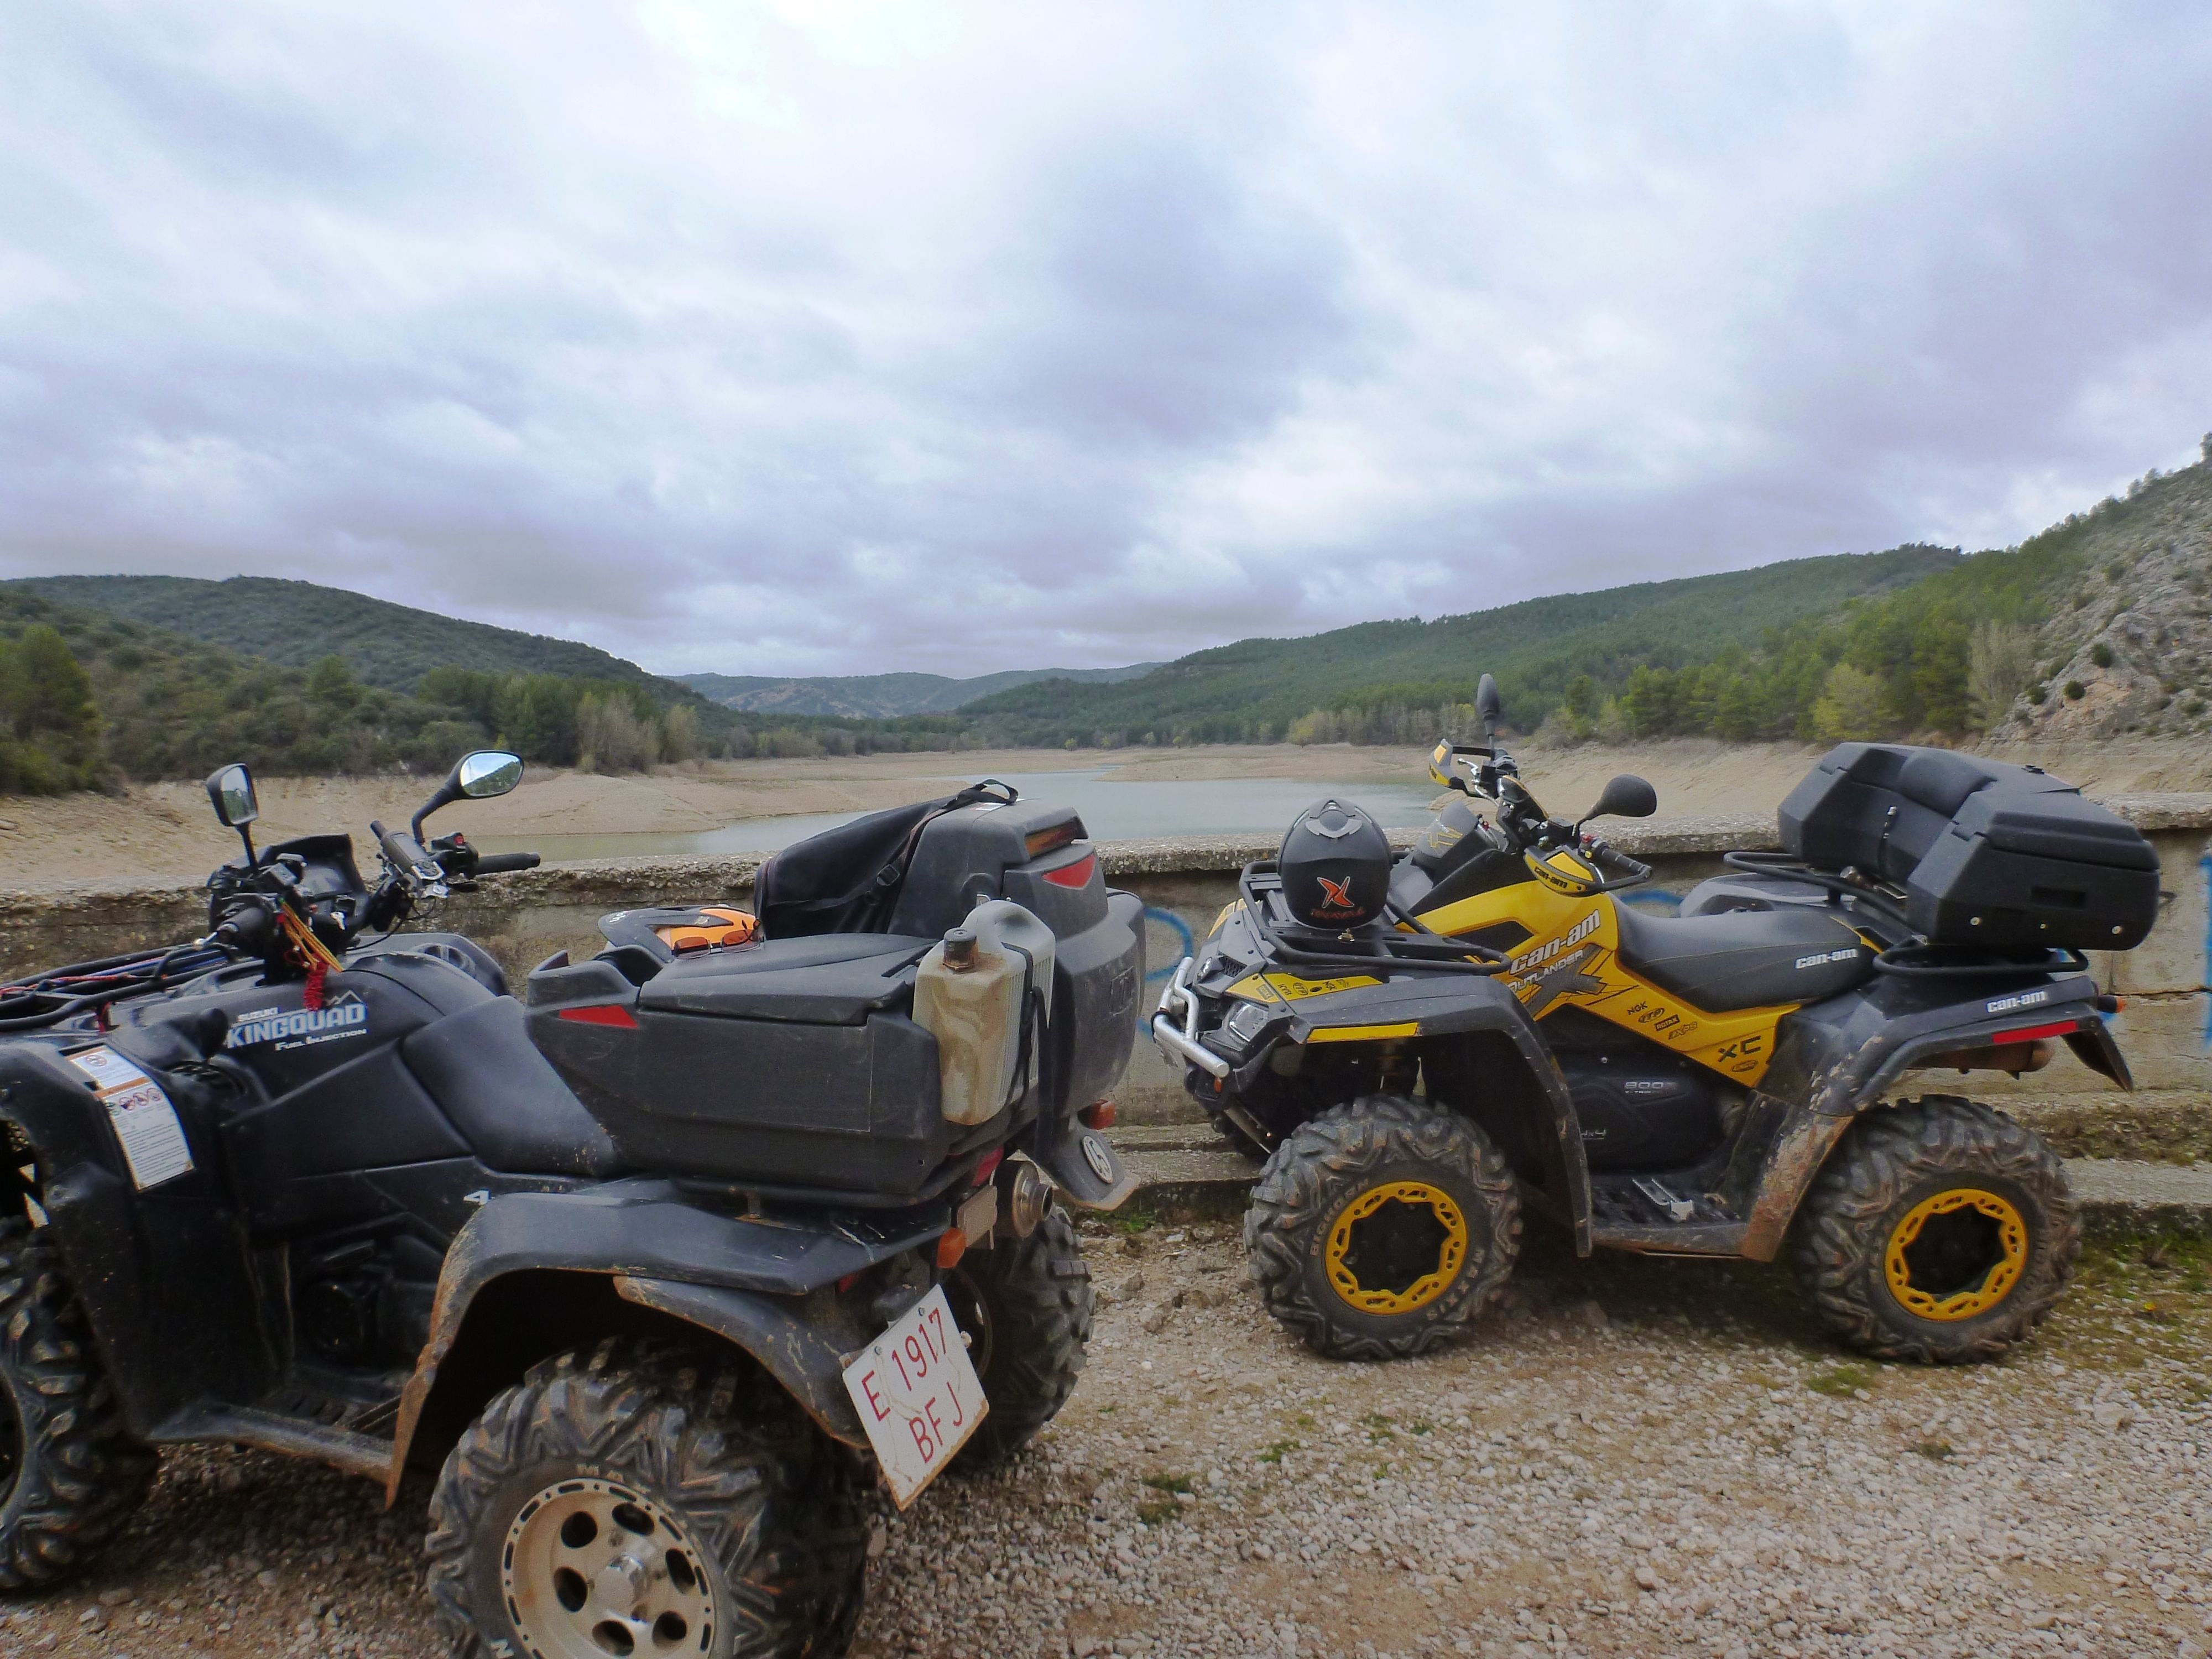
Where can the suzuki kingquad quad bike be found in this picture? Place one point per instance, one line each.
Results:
(776, 1202)
(1417, 1047)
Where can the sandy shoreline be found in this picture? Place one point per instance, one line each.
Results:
(161, 834)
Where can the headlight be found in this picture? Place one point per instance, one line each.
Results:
(1246, 1022)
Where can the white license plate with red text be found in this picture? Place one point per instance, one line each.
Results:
(918, 1395)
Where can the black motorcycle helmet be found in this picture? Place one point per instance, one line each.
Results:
(1335, 865)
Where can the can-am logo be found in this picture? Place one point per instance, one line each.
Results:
(301, 1026)
(1821, 956)
(1574, 936)
(2025, 1000)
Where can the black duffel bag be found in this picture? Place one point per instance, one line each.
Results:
(847, 880)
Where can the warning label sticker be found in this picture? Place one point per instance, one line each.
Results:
(145, 1122)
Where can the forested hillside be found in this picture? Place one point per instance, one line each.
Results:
(297, 624)
(1384, 680)
(2101, 624)
(89, 698)
(884, 697)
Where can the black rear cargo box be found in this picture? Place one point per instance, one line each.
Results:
(1987, 853)
(792, 1063)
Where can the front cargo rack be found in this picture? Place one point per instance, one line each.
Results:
(1419, 947)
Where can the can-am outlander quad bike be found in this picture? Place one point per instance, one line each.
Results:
(1417, 1046)
(311, 1185)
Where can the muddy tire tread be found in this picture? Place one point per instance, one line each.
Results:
(1041, 1287)
(713, 1440)
(1305, 1176)
(1836, 1245)
(83, 1475)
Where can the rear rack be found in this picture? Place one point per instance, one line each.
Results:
(1916, 957)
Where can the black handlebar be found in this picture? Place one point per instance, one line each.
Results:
(1632, 869)
(405, 854)
(498, 864)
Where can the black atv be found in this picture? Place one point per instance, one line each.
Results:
(310, 1184)
(1417, 1047)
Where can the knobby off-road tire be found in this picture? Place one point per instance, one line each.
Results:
(708, 1496)
(1027, 1303)
(71, 1474)
(1389, 1159)
(1940, 1231)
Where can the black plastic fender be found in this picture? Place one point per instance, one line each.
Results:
(161, 1275)
(765, 1284)
(804, 1343)
(1834, 1060)
(1082, 1165)
(1440, 1006)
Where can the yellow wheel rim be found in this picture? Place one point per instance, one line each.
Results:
(1956, 1254)
(1394, 1286)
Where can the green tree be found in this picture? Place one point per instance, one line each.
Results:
(332, 682)
(1850, 706)
(2000, 662)
(48, 720)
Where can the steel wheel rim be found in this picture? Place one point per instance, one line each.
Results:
(593, 1570)
(972, 1314)
(1966, 1230)
(1347, 1240)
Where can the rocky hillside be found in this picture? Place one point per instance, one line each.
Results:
(2127, 646)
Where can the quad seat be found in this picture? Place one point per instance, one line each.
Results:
(1744, 958)
(508, 1103)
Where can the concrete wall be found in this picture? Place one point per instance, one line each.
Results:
(1184, 881)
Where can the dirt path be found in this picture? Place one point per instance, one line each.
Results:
(1637, 1457)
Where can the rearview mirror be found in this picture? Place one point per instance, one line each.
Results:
(486, 772)
(1626, 796)
(477, 775)
(1487, 702)
(231, 792)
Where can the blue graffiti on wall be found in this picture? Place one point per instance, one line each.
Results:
(2205, 866)
(1188, 943)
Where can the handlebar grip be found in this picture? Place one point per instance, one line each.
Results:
(497, 864)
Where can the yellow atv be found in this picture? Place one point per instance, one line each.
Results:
(1420, 1046)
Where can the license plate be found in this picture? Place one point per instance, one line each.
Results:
(918, 1395)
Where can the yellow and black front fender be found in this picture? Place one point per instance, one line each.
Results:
(1467, 1028)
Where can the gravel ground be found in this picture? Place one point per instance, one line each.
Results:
(1636, 1457)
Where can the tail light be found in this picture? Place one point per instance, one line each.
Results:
(2035, 1033)
(602, 1013)
(1076, 874)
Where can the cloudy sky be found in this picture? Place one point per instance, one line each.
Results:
(835, 337)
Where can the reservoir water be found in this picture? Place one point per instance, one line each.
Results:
(1111, 812)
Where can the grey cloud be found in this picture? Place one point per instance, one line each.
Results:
(935, 340)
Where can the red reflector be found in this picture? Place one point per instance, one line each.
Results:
(602, 1013)
(1099, 1115)
(989, 1166)
(2035, 1033)
(1076, 874)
